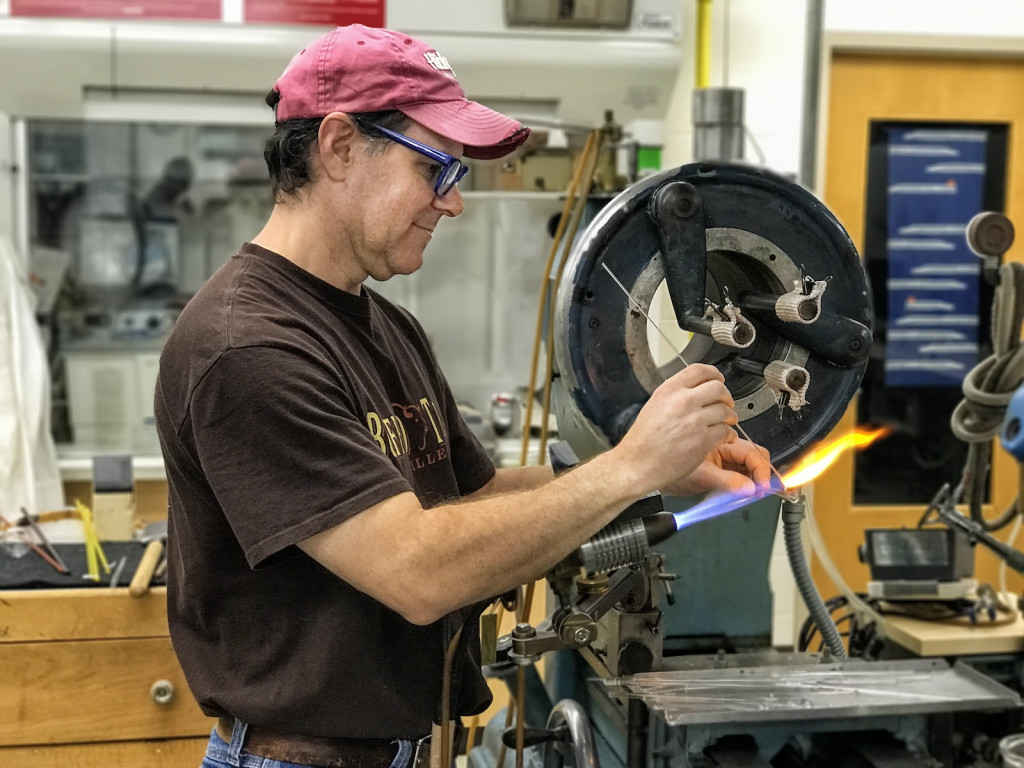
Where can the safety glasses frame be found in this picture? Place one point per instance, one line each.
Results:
(452, 171)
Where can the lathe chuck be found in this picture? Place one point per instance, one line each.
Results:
(757, 269)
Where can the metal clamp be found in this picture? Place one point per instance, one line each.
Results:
(803, 303)
(789, 383)
(729, 326)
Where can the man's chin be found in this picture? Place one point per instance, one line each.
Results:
(399, 267)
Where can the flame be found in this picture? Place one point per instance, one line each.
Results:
(820, 459)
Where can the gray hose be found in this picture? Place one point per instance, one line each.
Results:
(792, 517)
(987, 390)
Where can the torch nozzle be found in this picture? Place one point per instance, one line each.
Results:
(625, 542)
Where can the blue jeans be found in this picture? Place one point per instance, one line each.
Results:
(220, 754)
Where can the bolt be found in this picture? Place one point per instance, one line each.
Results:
(855, 344)
(523, 631)
(594, 322)
(678, 198)
(682, 207)
(582, 636)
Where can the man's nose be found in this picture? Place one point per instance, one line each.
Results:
(452, 203)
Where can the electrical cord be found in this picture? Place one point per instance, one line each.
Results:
(987, 390)
(446, 684)
(1011, 539)
(859, 633)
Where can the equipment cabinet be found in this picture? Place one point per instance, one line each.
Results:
(90, 680)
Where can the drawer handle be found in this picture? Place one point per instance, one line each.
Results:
(162, 692)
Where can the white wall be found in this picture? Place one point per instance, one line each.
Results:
(759, 47)
(919, 22)
(462, 17)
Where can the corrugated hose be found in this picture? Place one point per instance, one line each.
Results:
(987, 390)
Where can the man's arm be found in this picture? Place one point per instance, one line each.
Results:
(426, 563)
(513, 479)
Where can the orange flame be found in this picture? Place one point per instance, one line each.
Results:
(820, 459)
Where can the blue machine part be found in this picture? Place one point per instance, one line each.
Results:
(722, 596)
(1012, 434)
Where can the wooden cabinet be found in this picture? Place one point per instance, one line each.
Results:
(90, 679)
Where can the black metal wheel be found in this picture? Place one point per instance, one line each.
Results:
(716, 235)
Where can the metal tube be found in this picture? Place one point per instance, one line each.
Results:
(718, 124)
(812, 84)
(570, 715)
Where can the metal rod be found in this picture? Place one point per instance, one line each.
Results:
(677, 352)
(43, 541)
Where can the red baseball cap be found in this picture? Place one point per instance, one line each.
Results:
(364, 69)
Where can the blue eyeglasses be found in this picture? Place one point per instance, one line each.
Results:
(452, 170)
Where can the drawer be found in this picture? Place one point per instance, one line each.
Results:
(92, 691)
(81, 614)
(174, 753)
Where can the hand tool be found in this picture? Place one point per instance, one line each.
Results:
(59, 567)
(115, 579)
(153, 537)
(43, 541)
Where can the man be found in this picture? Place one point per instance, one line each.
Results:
(333, 522)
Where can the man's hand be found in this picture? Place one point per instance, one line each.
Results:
(683, 440)
(737, 466)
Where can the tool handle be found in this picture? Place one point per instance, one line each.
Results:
(144, 573)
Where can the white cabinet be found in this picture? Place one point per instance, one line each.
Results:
(110, 400)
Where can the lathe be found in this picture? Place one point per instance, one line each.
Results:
(664, 658)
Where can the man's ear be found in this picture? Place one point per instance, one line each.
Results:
(337, 141)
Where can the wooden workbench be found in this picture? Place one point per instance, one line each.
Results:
(937, 638)
(86, 676)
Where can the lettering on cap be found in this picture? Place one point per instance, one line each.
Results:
(438, 62)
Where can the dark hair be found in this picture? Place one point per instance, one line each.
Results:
(287, 151)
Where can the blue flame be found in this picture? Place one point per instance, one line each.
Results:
(720, 503)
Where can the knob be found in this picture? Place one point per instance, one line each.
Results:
(162, 692)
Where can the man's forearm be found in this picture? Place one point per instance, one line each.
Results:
(513, 479)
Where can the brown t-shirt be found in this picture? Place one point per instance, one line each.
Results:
(285, 406)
